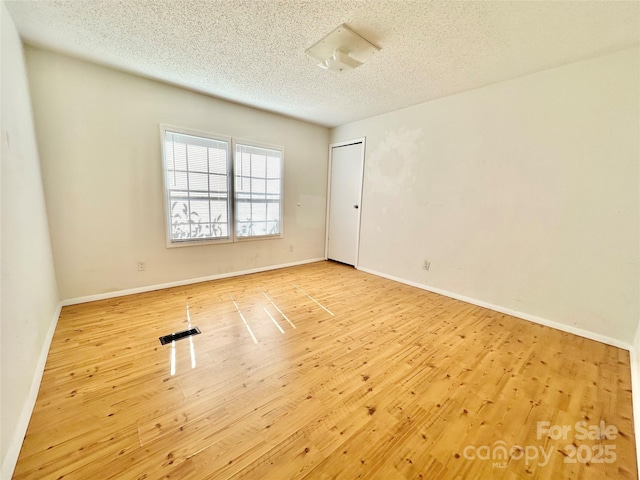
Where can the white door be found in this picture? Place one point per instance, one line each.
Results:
(345, 193)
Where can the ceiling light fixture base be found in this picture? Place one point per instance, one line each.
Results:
(342, 50)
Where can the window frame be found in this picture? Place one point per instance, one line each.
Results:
(232, 144)
(190, 242)
(266, 146)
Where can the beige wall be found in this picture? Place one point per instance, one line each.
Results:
(28, 290)
(522, 194)
(98, 133)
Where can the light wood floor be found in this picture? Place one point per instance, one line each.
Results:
(390, 382)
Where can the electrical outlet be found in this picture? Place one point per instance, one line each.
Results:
(142, 265)
(291, 248)
(426, 265)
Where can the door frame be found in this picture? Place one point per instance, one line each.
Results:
(361, 178)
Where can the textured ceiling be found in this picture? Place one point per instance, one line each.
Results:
(252, 52)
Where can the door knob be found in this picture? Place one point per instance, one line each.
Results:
(355, 206)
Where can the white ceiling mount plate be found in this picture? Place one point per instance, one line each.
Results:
(342, 49)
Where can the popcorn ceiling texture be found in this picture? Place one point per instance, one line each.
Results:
(252, 52)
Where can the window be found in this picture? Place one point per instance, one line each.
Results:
(258, 191)
(197, 187)
(203, 204)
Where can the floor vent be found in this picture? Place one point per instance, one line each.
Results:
(179, 335)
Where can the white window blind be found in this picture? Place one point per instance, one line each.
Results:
(258, 191)
(197, 176)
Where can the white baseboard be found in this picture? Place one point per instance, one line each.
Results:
(13, 451)
(525, 316)
(179, 283)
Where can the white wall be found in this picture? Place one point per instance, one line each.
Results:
(29, 293)
(99, 140)
(522, 194)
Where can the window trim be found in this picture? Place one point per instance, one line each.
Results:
(231, 171)
(267, 146)
(164, 128)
